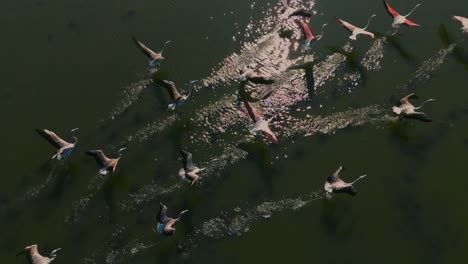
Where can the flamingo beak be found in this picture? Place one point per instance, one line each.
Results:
(22, 252)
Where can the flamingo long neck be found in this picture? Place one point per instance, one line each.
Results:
(412, 10)
(430, 100)
(76, 139)
(360, 177)
(321, 31)
(121, 152)
(368, 22)
(167, 42)
(181, 213)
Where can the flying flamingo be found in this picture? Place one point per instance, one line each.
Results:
(464, 22)
(34, 257)
(155, 57)
(335, 184)
(399, 19)
(261, 125)
(189, 171)
(309, 38)
(407, 110)
(355, 30)
(107, 164)
(64, 148)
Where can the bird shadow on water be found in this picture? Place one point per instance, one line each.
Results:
(353, 61)
(458, 52)
(45, 193)
(131, 94)
(308, 67)
(263, 158)
(392, 42)
(99, 184)
(352, 57)
(336, 218)
(408, 141)
(417, 145)
(51, 170)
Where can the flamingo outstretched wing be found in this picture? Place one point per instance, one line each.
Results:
(411, 23)
(347, 25)
(463, 20)
(390, 10)
(308, 36)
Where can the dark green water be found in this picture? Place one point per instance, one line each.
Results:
(69, 64)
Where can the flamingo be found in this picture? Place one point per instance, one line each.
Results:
(189, 171)
(34, 257)
(165, 223)
(64, 148)
(399, 19)
(407, 110)
(335, 184)
(177, 99)
(154, 57)
(261, 125)
(355, 30)
(309, 38)
(107, 164)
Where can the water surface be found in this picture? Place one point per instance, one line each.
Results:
(73, 64)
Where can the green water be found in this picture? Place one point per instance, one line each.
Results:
(68, 64)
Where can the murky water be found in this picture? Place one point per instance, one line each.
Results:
(256, 201)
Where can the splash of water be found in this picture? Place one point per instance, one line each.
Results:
(374, 55)
(150, 129)
(238, 222)
(79, 207)
(36, 190)
(428, 67)
(150, 193)
(325, 70)
(129, 96)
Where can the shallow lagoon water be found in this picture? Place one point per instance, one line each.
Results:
(73, 64)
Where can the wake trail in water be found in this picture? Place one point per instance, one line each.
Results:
(234, 223)
(36, 190)
(374, 55)
(229, 66)
(79, 207)
(428, 67)
(326, 70)
(213, 168)
(286, 126)
(238, 222)
(150, 129)
(270, 54)
(311, 125)
(120, 249)
(129, 96)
